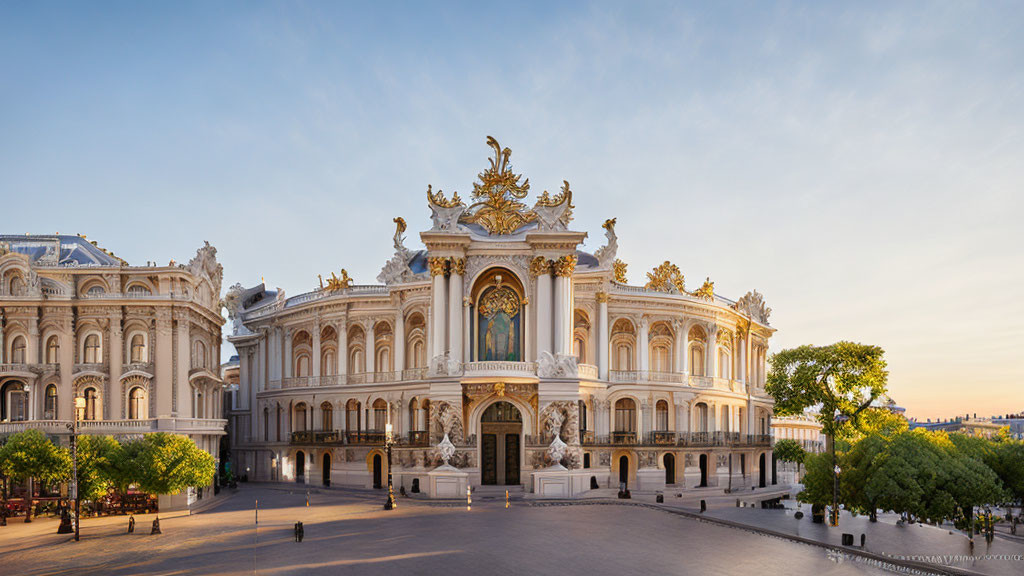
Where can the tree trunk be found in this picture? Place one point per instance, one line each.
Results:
(28, 501)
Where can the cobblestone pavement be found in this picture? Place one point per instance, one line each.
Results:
(346, 532)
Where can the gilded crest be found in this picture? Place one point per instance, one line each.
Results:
(501, 298)
(665, 278)
(619, 271)
(497, 196)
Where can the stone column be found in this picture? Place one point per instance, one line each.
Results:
(438, 316)
(711, 354)
(315, 353)
(400, 343)
(742, 376)
(455, 308)
(32, 357)
(184, 363)
(677, 346)
(602, 335)
(540, 268)
(563, 310)
(164, 369)
(288, 373)
(66, 391)
(642, 344)
(467, 344)
(342, 329)
(116, 410)
(684, 345)
(3, 353)
(371, 354)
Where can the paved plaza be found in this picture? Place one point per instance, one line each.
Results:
(347, 533)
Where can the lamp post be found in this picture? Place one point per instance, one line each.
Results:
(839, 418)
(389, 440)
(73, 490)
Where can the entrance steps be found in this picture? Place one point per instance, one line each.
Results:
(488, 492)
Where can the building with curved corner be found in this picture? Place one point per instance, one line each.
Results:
(503, 335)
(140, 344)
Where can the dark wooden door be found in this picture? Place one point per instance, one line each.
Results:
(703, 470)
(377, 471)
(763, 472)
(624, 470)
(670, 469)
(489, 473)
(300, 467)
(512, 459)
(327, 470)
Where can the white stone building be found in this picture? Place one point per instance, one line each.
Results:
(502, 334)
(141, 344)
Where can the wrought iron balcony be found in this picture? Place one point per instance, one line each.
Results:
(418, 438)
(315, 437)
(371, 437)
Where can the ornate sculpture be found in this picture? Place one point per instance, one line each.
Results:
(752, 304)
(233, 302)
(397, 269)
(666, 278)
(557, 450)
(619, 271)
(204, 265)
(446, 419)
(565, 265)
(606, 254)
(564, 366)
(540, 265)
(438, 266)
(555, 213)
(446, 449)
(334, 283)
(498, 193)
(458, 266)
(706, 291)
(445, 213)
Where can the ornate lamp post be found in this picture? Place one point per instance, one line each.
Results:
(73, 489)
(389, 440)
(840, 418)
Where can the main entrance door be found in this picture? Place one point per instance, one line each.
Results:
(501, 428)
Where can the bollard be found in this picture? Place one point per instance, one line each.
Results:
(469, 499)
(660, 498)
(131, 524)
(156, 526)
(847, 539)
(257, 510)
(703, 506)
(863, 539)
(300, 531)
(506, 499)
(415, 485)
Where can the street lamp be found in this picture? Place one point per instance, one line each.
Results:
(73, 490)
(389, 440)
(839, 418)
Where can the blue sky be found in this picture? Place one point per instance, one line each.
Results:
(859, 164)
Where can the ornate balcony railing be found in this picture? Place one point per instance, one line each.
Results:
(668, 438)
(384, 377)
(16, 367)
(295, 382)
(56, 427)
(624, 375)
(414, 374)
(646, 376)
(588, 371)
(492, 366)
(418, 438)
(365, 437)
(315, 437)
(661, 438)
(701, 381)
(137, 366)
(358, 378)
(332, 380)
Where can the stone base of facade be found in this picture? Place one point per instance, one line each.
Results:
(447, 482)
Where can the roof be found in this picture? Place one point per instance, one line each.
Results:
(59, 250)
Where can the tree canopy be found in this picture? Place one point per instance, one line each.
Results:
(30, 455)
(170, 463)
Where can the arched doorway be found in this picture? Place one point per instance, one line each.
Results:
(501, 427)
(326, 473)
(300, 467)
(624, 471)
(670, 469)
(377, 472)
(703, 471)
(761, 471)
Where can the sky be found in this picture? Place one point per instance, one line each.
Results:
(860, 164)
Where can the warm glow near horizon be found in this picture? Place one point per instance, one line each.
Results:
(859, 166)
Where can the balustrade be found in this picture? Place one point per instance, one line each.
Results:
(587, 371)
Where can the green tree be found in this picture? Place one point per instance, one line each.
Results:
(124, 467)
(29, 455)
(858, 464)
(840, 380)
(877, 421)
(94, 454)
(789, 450)
(1008, 464)
(171, 463)
(817, 480)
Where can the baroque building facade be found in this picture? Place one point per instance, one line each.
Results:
(140, 344)
(503, 335)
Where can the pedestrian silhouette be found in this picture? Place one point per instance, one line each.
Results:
(299, 532)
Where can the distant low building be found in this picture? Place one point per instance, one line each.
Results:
(1015, 423)
(970, 425)
(804, 428)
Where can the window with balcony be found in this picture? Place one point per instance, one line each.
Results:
(18, 350)
(138, 349)
(352, 416)
(13, 402)
(661, 416)
(50, 403)
(625, 415)
(137, 404)
(326, 416)
(92, 349)
(299, 420)
(92, 406)
(380, 414)
(53, 350)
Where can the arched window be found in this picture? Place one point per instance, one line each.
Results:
(353, 418)
(625, 415)
(415, 342)
(414, 408)
(661, 416)
(661, 341)
(138, 348)
(328, 351)
(383, 339)
(137, 404)
(700, 417)
(18, 350)
(327, 362)
(198, 354)
(724, 425)
(92, 407)
(581, 336)
(697, 339)
(17, 286)
(582, 406)
(278, 434)
(299, 421)
(137, 290)
(92, 349)
(326, 416)
(724, 364)
(623, 344)
(301, 365)
(380, 414)
(356, 356)
(53, 350)
(497, 316)
(14, 402)
(266, 424)
(50, 403)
